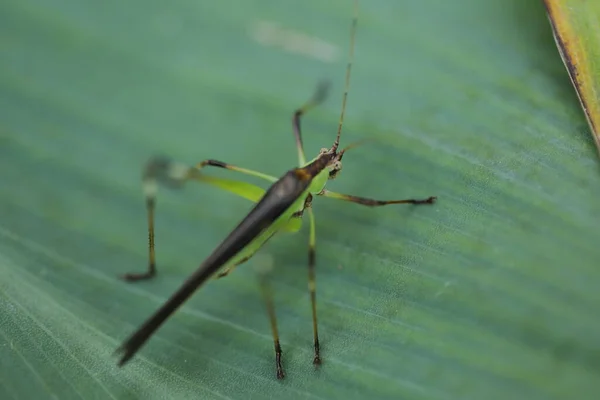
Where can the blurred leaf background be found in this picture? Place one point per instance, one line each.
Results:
(491, 293)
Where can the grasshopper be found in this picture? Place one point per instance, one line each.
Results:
(278, 209)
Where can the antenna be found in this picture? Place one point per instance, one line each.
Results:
(348, 69)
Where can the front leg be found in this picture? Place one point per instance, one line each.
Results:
(372, 202)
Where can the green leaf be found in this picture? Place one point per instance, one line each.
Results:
(576, 28)
(492, 293)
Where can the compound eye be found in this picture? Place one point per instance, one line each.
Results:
(337, 167)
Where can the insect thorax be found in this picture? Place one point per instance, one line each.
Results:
(318, 183)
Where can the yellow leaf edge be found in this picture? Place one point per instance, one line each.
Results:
(577, 62)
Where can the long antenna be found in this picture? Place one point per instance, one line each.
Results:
(348, 69)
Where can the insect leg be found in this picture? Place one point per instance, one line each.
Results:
(372, 202)
(157, 170)
(226, 272)
(268, 298)
(317, 98)
(221, 164)
(175, 175)
(312, 287)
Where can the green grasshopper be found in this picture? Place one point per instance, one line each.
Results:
(278, 209)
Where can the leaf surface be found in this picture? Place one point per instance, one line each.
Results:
(490, 293)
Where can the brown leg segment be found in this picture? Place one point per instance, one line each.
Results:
(132, 277)
(372, 202)
(312, 286)
(158, 170)
(268, 298)
(318, 97)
